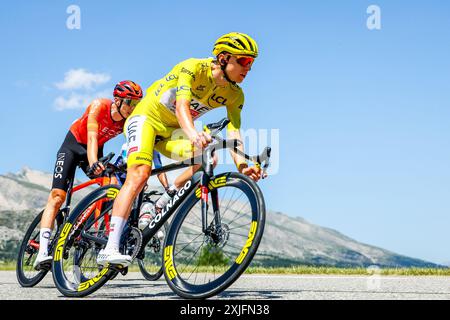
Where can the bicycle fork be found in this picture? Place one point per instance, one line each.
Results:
(209, 230)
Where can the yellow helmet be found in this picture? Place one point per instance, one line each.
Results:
(236, 43)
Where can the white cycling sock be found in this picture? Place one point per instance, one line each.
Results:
(166, 197)
(44, 237)
(115, 232)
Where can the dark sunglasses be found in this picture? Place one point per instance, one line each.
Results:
(245, 61)
(131, 102)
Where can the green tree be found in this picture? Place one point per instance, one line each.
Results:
(212, 256)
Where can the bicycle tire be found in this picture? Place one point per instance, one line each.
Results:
(172, 271)
(153, 244)
(27, 254)
(67, 239)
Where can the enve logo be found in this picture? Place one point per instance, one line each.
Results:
(248, 244)
(168, 262)
(61, 240)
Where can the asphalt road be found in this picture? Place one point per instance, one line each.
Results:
(286, 287)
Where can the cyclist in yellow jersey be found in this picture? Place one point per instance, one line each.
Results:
(192, 88)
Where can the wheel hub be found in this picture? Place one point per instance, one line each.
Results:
(219, 236)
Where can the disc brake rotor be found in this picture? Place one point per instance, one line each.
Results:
(219, 237)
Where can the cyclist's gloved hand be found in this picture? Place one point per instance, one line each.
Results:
(97, 168)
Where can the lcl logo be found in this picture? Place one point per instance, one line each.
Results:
(220, 100)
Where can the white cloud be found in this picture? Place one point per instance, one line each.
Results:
(82, 79)
(79, 101)
(80, 85)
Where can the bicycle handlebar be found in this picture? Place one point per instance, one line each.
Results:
(216, 127)
(154, 193)
(262, 160)
(104, 160)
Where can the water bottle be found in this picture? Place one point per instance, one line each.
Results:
(147, 213)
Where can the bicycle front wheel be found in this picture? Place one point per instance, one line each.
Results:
(201, 263)
(75, 269)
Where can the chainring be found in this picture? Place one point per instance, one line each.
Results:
(134, 242)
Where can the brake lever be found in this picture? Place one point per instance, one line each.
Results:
(264, 170)
(103, 160)
(266, 161)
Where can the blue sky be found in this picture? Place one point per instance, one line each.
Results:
(363, 115)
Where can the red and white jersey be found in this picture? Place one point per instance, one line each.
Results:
(107, 128)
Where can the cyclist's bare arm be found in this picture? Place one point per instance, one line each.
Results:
(184, 117)
(241, 164)
(238, 160)
(92, 138)
(162, 177)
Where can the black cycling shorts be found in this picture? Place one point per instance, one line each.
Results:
(69, 156)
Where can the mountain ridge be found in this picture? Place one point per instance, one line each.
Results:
(287, 240)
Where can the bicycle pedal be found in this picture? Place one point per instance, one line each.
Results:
(44, 267)
(124, 271)
(119, 268)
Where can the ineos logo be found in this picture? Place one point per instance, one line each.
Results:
(59, 167)
(111, 133)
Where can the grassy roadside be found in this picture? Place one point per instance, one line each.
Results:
(309, 270)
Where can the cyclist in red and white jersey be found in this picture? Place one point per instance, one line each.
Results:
(83, 146)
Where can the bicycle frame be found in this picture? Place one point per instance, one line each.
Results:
(199, 181)
(78, 236)
(101, 181)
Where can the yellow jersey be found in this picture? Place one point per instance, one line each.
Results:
(191, 79)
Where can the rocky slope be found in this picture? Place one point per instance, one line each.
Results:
(286, 241)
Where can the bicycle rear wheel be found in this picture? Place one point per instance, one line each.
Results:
(75, 269)
(27, 276)
(200, 264)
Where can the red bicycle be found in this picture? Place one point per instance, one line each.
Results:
(29, 248)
